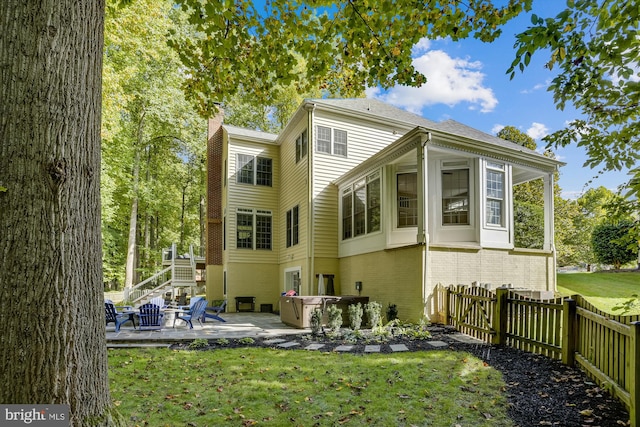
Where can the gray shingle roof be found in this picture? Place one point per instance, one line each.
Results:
(376, 108)
(255, 134)
(386, 111)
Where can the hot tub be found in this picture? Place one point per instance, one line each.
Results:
(296, 311)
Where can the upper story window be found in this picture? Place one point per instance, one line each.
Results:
(293, 222)
(495, 194)
(253, 229)
(331, 141)
(455, 196)
(361, 207)
(407, 199)
(254, 170)
(301, 146)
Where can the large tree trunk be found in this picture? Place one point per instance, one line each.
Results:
(52, 340)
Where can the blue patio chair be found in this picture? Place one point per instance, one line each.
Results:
(150, 317)
(112, 315)
(215, 312)
(196, 312)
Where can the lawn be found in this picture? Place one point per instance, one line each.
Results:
(253, 386)
(604, 290)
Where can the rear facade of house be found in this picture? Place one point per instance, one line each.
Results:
(362, 192)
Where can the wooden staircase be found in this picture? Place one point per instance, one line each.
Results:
(178, 276)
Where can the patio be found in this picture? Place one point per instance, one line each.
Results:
(237, 325)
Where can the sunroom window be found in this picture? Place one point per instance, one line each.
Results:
(495, 194)
(407, 202)
(361, 207)
(455, 197)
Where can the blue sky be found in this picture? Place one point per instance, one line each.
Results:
(467, 82)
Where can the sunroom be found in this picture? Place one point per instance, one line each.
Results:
(445, 200)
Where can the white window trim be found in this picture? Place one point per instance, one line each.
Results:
(254, 180)
(254, 229)
(489, 165)
(332, 142)
(350, 189)
(456, 164)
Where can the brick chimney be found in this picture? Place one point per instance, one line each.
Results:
(214, 189)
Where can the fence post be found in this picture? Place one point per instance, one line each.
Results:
(447, 299)
(634, 375)
(568, 331)
(500, 315)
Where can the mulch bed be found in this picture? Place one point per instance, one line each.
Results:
(541, 391)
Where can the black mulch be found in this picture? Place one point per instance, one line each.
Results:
(541, 391)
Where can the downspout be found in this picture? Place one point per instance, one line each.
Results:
(423, 223)
(310, 189)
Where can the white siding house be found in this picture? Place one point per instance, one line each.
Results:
(361, 191)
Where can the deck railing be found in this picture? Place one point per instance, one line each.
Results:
(606, 347)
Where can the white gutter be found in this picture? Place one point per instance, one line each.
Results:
(423, 224)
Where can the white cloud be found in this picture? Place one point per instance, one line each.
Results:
(537, 130)
(450, 81)
(537, 87)
(496, 128)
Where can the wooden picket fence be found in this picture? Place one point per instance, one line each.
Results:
(606, 347)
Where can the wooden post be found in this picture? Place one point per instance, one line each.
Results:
(447, 301)
(568, 331)
(634, 375)
(500, 316)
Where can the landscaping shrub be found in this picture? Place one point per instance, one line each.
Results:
(334, 318)
(374, 313)
(355, 316)
(392, 312)
(316, 321)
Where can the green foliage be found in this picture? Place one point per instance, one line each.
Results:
(629, 305)
(315, 322)
(152, 151)
(334, 318)
(374, 313)
(529, 225)
(242, 46)
(222, 341)
(198, 343)
(596, 51)
(611, 244)
(392, 312)
(252, 386)
(355, 316)
(246, 341)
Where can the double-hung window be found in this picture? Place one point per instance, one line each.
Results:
(361, 207)
(407, 199)
(292, 226)
(455, 196)
(331, 141)
(253, 229)
(254, 170)
(494, 194)
(301, 146)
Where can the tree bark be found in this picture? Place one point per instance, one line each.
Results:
(52, 340)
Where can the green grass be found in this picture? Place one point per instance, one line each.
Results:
(604, 290)
(254, 386)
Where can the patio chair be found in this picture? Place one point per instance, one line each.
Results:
(112, 315)
(159, 301)
(214, 312)
(196, 312)
(150, 317)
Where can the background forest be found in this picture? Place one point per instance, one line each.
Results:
(153, 154)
